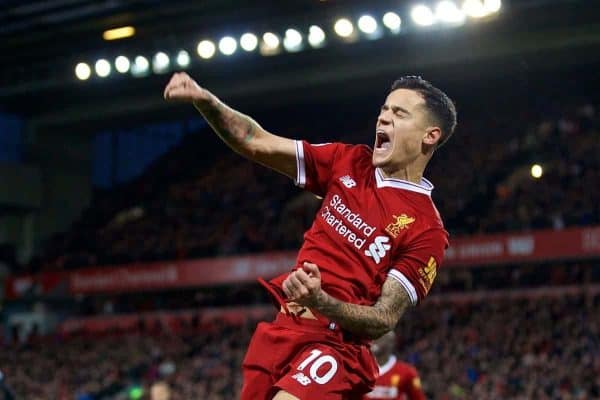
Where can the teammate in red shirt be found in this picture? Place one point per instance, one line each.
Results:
(397, 380)
(373, 249)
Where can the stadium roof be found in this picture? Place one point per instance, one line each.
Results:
(41, 41)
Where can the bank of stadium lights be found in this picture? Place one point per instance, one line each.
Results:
(422, 15)
(536, 171)
(343, 27)
(206, 49)
(392, 21)
(82, 71)
(448, 12)
(122, 64)
(140, 66)
(227, 45)
(292, 41)
(248, 41)
(183, 59)
(492, 6)
(481, 8)
(316, 36)
(367, 24)
(160, 63)
(269, 45)
(441, 13)
(102, 68)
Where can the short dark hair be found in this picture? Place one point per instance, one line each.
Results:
(437, 103)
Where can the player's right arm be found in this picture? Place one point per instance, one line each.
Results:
(240, 132)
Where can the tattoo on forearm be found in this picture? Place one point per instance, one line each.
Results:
(233, 127)
(369, 321)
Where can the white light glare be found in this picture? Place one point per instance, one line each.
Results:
(122, 64)
(160, 62)
(422, 15)
(447, 11)
(474, 8)
(537, 171)
(271, 40)
(227, 45)
(183, 58)
(248, 41)
(343, 27)
(492, 6)
(367, 24)
(140, 66)
(82, 71)
(392, 21)
(102, 68)
(206, 49)
(292, 40)
(316, 36)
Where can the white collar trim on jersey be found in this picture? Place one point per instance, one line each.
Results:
(385, 368)
(424, 187)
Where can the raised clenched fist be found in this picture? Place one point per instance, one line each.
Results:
(182, 87)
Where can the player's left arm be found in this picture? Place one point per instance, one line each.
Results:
(408, 281)
(366, 321)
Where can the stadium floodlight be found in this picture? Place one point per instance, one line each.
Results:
(316, 36)
(183, 59)
(271, 40)
(367, 24)
(392, 21)
(343, 27)
(118, 33)
(122, 64)
(140, 66)
(270, 44)
(82, 71)
(422, 15)
(292, 41)
(227, 45)
(474, 8)
(492, 6)
(447, 11)
(536, 171)
(102, 68)
(248, 41)
(206, 49)
(160, 62)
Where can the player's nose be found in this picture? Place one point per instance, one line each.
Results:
(383, 118)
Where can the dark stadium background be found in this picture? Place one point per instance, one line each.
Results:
(131, 237)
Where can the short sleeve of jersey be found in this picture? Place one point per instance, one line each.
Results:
(314, 165)
(416, 267)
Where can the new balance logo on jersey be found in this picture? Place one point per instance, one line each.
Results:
(348, 181)
(378, 248)
(303, 379)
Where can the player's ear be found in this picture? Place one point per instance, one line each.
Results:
(432, 136)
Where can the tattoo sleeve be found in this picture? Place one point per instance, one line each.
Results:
(368, 321)
(233, 127)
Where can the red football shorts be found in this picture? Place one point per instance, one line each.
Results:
(306, 359)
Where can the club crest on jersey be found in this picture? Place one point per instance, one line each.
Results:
(348, 181)
(403, 221)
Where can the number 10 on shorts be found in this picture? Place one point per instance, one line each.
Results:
(322, 368)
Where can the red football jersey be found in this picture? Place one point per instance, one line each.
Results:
(368, 226)
(398, 381)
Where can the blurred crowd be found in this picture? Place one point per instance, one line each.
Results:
(543, 349)
(187, 206)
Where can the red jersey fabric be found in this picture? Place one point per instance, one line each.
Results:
(306, 358)
(368, 226)
(397, 381)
